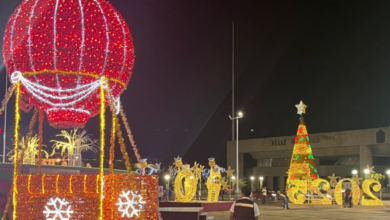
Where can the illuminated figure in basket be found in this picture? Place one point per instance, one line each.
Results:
(213, 181)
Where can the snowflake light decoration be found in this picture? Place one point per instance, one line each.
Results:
(58, 213)
(133, 203)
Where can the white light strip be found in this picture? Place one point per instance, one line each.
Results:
(58, 104)
(82, 95)
(69, 109)
(107, 37)
(33, 89)
(29, 36)
(45, 88)
(12, 36)
(124, 42)
(82, 39)
(55, 38)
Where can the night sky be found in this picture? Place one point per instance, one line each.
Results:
(333, 55)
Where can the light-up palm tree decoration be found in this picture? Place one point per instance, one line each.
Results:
(31, 151)
(76, 142)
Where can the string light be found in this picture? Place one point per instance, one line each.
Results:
(40, 144)
(112, 143)
(102, 143)
(16, 149)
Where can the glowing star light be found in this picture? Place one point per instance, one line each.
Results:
(301, 108)
(133, 203)
(58, 212)
(333, 179)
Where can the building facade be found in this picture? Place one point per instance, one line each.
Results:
(334, 152)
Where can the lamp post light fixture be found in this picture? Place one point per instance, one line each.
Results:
(239, 115)
(354, 172)
(388, 178)
(167, 177)
(261, 182)
(366, 173)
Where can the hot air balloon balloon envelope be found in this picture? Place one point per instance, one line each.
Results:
(62, 51)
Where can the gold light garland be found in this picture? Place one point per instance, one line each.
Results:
(296, 193)
(112, 143)
(366, 189)
(8, 95)
(130, 135)
(315, 188)
(40, 135)
(19, 163)
(338, 194)
(122, 145)
(102, 142)
(190, 186)
(16, 140)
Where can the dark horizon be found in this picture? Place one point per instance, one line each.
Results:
(332, 55)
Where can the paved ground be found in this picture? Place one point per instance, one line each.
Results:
(275, 212)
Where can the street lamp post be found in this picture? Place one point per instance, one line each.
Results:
(167, 177)
(388, 179)
(261, 182)
(239, 115)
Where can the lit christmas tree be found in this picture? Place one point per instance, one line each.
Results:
(302, 165)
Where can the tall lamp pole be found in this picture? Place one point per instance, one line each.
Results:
(239, 115)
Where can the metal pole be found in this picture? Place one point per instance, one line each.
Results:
(5, 120)
(233, 78)
(238, 177)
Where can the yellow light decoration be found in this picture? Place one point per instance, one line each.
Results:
(122, 145)
(178, 162)
(338, 192)
(297, 192)
(315, 189)
(189, 188)
(374, 201)
(102, 143)
(130, 135)
(112, 143)
(301, 107)
(8, 95)
(333, 179)
(40, 137)
(214, 184)
(16, 149)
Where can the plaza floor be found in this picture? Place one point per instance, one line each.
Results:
(275, 212)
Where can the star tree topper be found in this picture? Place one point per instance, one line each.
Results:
(301, 108)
